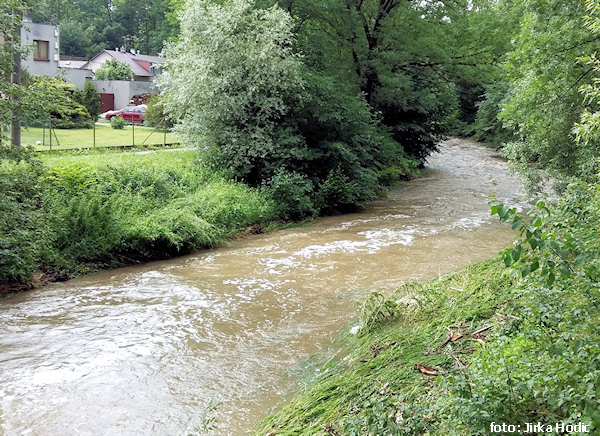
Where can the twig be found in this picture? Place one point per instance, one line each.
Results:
(456, 359)
(481, 330)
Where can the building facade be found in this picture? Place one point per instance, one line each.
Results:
(43, 42)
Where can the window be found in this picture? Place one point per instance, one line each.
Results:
(40, 52)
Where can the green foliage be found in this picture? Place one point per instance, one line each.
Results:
(292, 194)
(22, 226)
(113, 69)
(542, 104)
(231, 78)
(546, 362)
(155, 113)
(89, 98)
(243, 93)
(70, 115)
(83, 213)
(118, 122)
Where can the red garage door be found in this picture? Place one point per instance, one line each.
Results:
(107, 102)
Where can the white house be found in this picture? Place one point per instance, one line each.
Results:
(144, 67)
(43, 59)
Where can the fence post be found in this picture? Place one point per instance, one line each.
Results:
(94, 128)
(133, 131)
(50, 130)
(165, 132)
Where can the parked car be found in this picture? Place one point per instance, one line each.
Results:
(129, 113)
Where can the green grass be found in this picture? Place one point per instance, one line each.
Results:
(67, 214)
(379, 365)
(106, 136)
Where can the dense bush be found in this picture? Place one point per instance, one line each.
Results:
(292, 194)
(22, 225)
(155, 113)
(89, 98)
(118, 122)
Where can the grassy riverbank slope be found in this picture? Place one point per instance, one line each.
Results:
(68, 214)
(487, 344)
(62, 215)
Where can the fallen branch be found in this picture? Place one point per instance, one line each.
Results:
(456, 359)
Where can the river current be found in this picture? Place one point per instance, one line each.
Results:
(144, 349)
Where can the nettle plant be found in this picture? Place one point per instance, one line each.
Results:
(544, 365)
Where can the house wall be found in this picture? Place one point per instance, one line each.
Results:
(71, 64)
(123, 90)
(96, 63)
(76, 77)
(43, 32)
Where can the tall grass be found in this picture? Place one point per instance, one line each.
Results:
(77, 213)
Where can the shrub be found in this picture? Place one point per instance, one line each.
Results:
(89, 98)
(118, 122)
(22, 223)
(292, 195)
(155, 113)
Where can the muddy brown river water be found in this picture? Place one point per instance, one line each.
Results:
(140, 350)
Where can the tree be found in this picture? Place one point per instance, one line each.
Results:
(542, 77)
(231, 79)
(90, 99)
(114, 70)
(587, 130)
(245, 95)
(418, 64)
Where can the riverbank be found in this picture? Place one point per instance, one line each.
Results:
(66, 215)
(478, 350)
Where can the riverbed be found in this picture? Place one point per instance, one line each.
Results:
(144, 349)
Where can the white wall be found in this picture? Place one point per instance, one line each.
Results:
(43, 32)
(97, 62)
(76, 77)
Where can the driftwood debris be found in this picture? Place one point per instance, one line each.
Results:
(426, 369)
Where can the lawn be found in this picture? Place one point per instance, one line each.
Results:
(106, 136)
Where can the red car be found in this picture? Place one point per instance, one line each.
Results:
(130, 114)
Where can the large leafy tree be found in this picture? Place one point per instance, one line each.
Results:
(418, 64)
(88, 26)
(268, 114)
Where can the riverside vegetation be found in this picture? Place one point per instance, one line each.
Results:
(490, 343)
(66, 215)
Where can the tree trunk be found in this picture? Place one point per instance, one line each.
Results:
(15, 127)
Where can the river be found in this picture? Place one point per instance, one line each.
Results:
(142, 349)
